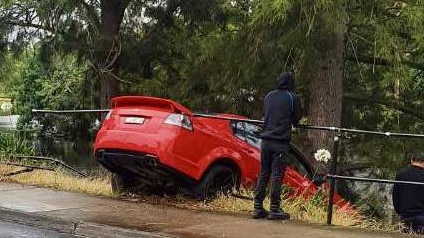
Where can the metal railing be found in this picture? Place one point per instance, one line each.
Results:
(54, 162)
(332, 175)
(334, 162)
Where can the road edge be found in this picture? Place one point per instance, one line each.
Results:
(74, 227)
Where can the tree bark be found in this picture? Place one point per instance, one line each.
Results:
(325, 70)
(108, 49)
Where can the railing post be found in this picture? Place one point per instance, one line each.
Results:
(333, 171)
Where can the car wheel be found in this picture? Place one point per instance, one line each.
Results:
(219, 179)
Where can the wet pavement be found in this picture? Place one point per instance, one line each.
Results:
(161, 220)
(13, 230)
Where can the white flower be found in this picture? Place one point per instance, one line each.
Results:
(322, 155)
(7, 106)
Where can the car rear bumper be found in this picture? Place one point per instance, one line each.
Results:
(145, 167)
(122, 162)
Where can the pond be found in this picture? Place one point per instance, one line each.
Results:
(77, 153)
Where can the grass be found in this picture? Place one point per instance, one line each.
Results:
(11, 143)
(300, 209)
(312, 210)
(60, 180)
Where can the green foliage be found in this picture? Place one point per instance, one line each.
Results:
(383, 65)
(10, 69)
(26, 97)
(13, 144)
(60, 85)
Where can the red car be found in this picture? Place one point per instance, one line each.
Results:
(158, 145)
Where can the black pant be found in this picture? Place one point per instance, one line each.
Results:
(414, 224)
(273, 166)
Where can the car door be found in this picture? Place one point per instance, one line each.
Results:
(250, 149)
(298, 174)
(191, 147)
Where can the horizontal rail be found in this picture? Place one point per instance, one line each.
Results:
(27, 166)
(322, 128)
(26, 170)
(69, 111)
(308, 127)
(56, 161)
(228, 118)
(373, 180)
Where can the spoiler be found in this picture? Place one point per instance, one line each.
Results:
(125, 101)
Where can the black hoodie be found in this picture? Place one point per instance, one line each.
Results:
(408, 200)
(282, 110)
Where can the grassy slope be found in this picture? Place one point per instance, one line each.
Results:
(308, 211)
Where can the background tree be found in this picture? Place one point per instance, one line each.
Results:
(97, 29)
(358, 63)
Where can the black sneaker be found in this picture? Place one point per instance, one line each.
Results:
(259, 213)
(278, 214)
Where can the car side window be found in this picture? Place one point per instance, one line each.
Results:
(247, 132)
(253, 135)
(238, 130)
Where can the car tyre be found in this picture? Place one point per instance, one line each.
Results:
(219, 179)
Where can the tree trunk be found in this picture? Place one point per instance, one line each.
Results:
(325, 70)
(108, 49)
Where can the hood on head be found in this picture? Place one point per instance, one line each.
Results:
(285, 82)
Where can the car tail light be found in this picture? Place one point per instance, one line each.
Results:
(179, 120)
(108, 115)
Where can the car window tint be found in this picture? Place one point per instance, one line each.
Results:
(253, 135)
(238, 130)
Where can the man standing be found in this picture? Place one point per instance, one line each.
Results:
(282, 111)
(408, 200)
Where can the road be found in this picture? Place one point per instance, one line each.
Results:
(90, 216)
(14, 230)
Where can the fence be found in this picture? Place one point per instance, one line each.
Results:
(332, 175)
(334, 162)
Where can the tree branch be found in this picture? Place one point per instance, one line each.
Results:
(91, 12)
(383, 62)
(126, 3)
(355, 166)
(27, 24)
(417, 112)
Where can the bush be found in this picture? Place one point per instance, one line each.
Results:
(12, 144)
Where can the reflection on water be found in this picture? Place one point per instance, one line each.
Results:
(77, 153)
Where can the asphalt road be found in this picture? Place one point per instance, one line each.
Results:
(14, 230)
(90, 216)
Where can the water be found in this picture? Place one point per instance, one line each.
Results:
(77, 153)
